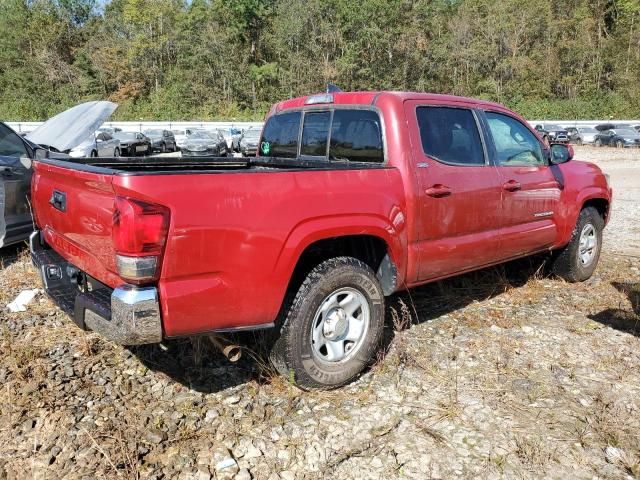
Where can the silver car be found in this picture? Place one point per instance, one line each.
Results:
(100, 144)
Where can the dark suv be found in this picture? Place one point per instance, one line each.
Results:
(552, 133)
(162, 140)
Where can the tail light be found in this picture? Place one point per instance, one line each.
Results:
(139, 234)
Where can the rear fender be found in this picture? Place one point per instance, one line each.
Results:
(392, 232)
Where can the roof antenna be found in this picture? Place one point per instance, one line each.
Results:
(331, 88)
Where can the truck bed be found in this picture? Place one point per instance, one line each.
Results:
(236, 230)
(177, 165)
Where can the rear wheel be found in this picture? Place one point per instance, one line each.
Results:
(598, 142)
(578, 260)
(333, 326)
(619, 144)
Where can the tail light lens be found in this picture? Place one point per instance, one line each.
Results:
(139, 234)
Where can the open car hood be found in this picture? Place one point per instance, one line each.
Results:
(71, 127)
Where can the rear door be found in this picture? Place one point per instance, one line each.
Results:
(529, 189)
(15, 181)
(459, 191)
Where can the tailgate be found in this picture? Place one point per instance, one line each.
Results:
(74, 210)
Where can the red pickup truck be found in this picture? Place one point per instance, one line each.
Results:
(352, 197)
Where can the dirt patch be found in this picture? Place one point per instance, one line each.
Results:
(505, 372)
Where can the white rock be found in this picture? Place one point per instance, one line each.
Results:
(613, 454)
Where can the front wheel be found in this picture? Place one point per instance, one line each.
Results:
(333, 326)
(577, 261)
(116, 152)
(598, 143)
(619, 144)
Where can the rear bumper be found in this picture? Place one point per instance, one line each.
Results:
(127, 315)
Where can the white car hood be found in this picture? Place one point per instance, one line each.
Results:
(71, 127)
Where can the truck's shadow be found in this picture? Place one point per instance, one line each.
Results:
(199, 366)
(620, 319)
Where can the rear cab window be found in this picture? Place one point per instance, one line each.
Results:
(280, 135)
(335, 134)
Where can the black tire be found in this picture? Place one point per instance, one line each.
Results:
(619, 144)
(597, 143)
(293, 353)
(93, 154)
(116, 152)
(579, 142)
(567, 263)
(163, 149)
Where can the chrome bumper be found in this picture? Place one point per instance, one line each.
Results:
(127, 315)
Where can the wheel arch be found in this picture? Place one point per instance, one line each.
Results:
(602, 205)
(370, 239)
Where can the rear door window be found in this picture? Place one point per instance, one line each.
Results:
(356, 135)
(280, 136)
(450, 135)
(315, 134)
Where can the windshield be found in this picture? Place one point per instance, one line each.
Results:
(587, 130)
(125, 135)
(178, 132)
(553, 127)
(201, 134)
(153, 132)
(626, 132)
(252, 134)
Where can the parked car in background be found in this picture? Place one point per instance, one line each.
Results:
(621, 137)
(181, 134)
(133, 143)
(15, 183)
(582, 135)
(232, 137)
(551, 133)
(100, 144)
(353, 197)
(249, 142)
(205, 143)
(161, 140)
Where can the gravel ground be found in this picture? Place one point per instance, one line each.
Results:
(504, 373)
(623, 165)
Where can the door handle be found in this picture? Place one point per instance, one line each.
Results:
(511, 186)
(438, 191)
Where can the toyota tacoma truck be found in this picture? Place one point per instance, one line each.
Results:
(351, 198)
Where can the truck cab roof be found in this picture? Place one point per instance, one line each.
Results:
(376, 97)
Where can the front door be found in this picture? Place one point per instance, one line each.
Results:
(15, 182)
(459, 191)
(530, 191)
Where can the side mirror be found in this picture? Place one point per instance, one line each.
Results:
(40, 153)
(561, 153)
